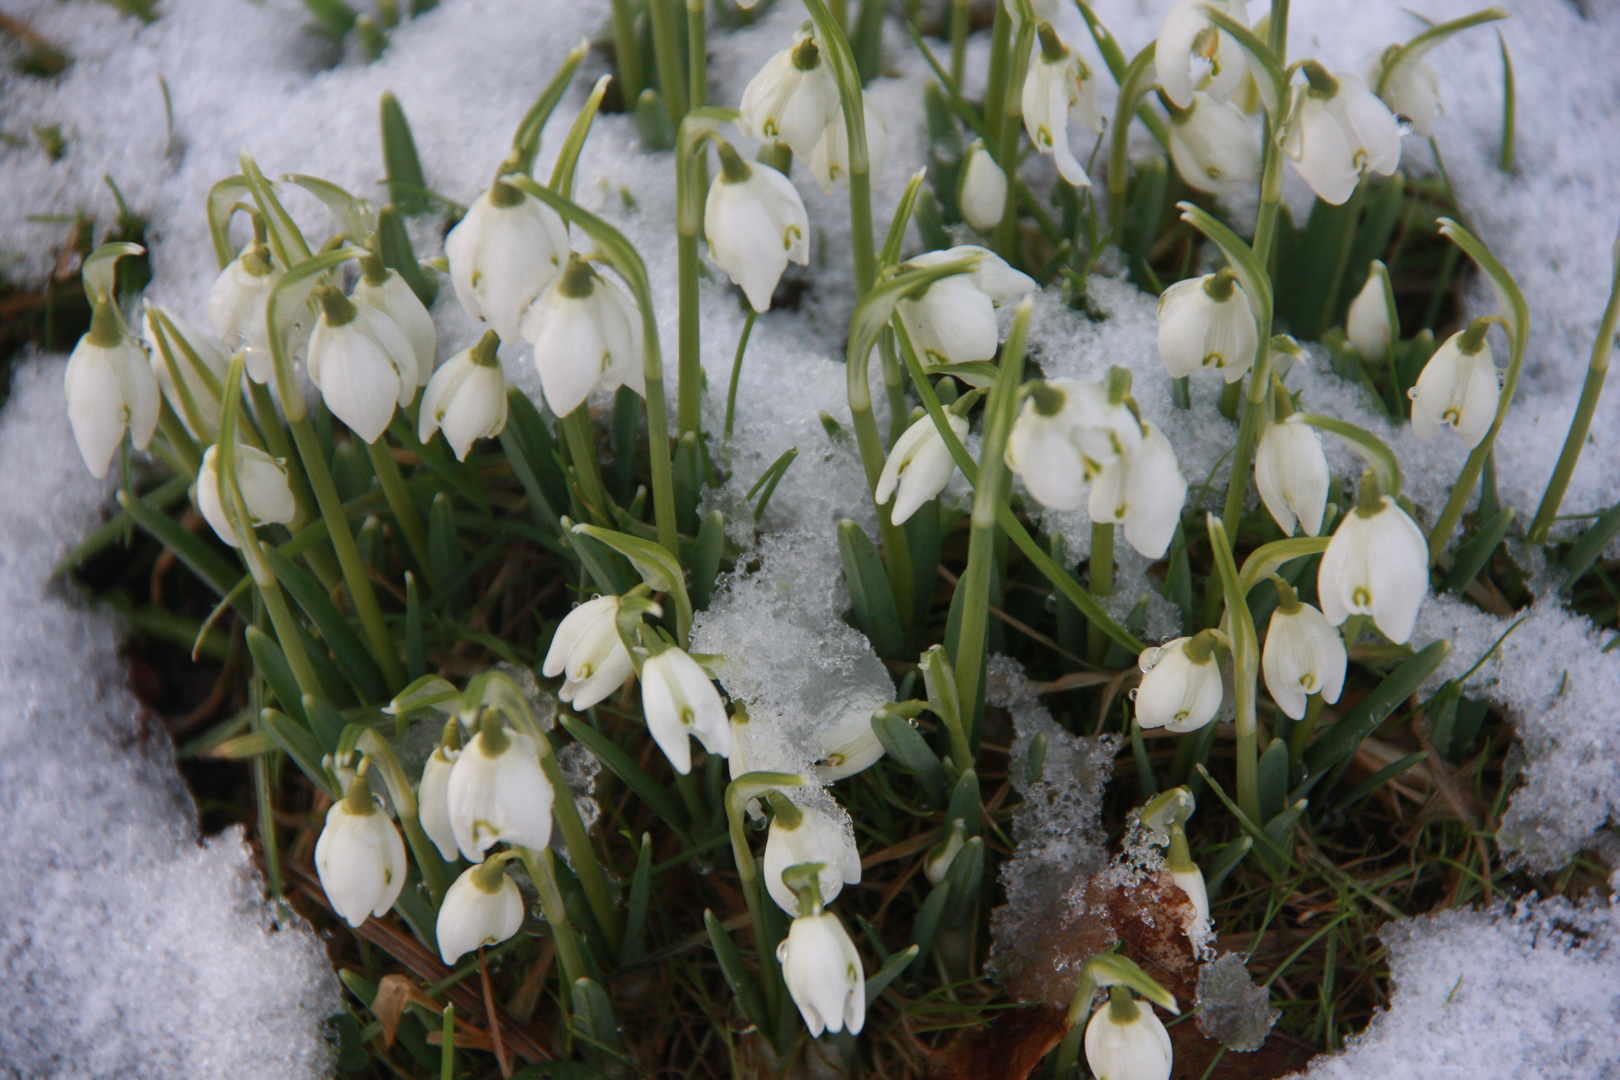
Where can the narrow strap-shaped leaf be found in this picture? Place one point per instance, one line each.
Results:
(1339, 742)
(1371, 448)
(1378, 780)
(706, 553)
(562, 173)
(869, 591)
(395, 250)
(99, 270)
(634, 776)
(223, 199)
(892, 967)
(926, 924)
(325, 722)
(656, 566)
(351, 653)
(407, 186)
(1593, 542)
(635, 911)
(736, 972)
(201, 559)
(1473, 555)
(908, 749)
(1272, 779)
(526, 140)
(300, 745)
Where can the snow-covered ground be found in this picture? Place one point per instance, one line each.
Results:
(131, 950)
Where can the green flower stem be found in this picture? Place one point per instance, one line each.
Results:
(736, 370)
(355, 575)
(960, 10)
(1277, 31)
(697, 53)
(1300, 737)
(1341, 261)
(995, 95)
(1008, 127)
(738, 794)
(896, 551)
(1101, 584)
(576, 427)
(1245, 670)
(1079, 1006)
(894, 387)
(835, 51)
(1049, 567)
(696, 131)
(544, 875)
(275, 438)
(582, 853)
(1132, 85)
(667, 57)
(1518, 326)
(1596, 371)
(399, 501)
(627, 50)
(987, 495)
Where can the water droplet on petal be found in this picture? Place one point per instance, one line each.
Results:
(1404, 124)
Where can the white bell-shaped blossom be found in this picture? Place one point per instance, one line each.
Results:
(586, 335)
(1291, 471)
(1366, 324)
(1376, 564)
(1068, 431)
(829, 161)
(982, 194)
(498, 792)
(1303, 655)
(755, 224)
(1191, 882)
(238, 312)
(848, 743)
(362, 363)
(1411, 89)
(1459, 388)
(793, 97)
(588, 653)
(1145, 491)
(387, 292)
(203, 399)
(1207, 323)
(920, 465)
(503, 254)
(815, 838)
(482, 907)
(953, 320)
(1181, 685)
(466, 398)
(433, 800)
(823, 974)
(263, 481)
(1057, 87)
(1214, 147)
(1191, 54)
(1340, 130)
(360, 857)
(110, 389)
(1127, 1043)
(679, 699)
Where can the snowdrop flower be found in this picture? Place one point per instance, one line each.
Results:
(1459, 388)
(679, 699)
(823, 974)
(482, 907)
(755, 223)
(586, 335)
(1376, 564)
(1339, 131)
(920, 465)
(1181, 684)
(466, 398)
(387, 292)
(1145, 491)
(849, 745)
(1291, 472)
(503, 254)
(498, 792)
(1303, 655)
(156, 327)
(793, 97)
(433, 793)
(587, 652)
(362, 363)
(238, 308)
(829, 161)
(1190, 880)
(982, 194)
(1213, 146)
(1126, 1041)
(1059, 85)
(110, 389)
(1411, 89)
(953, 320)
(1192, 54)
(360, 858)
(263, 480)
(1069, 431)
(1367, 322)
(1206, 322)
(803, 834)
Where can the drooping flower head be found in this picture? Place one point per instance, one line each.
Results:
(1207, 323)
(1459, 388)
(1181, 684)
(756, 224)
(503, 254)
(1058, 86)
(586, 334)
(1191, 54)
(1339, 132)
(793, 97)
(466, 398)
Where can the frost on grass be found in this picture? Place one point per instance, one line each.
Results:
(1531, 989)
(130, 947)
(1232, 1010)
